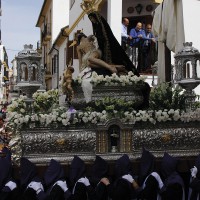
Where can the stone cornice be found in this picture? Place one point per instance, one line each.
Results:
(43, 12)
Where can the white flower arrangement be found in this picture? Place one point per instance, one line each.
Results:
(113, 80)
(66, 118)
(17, 115)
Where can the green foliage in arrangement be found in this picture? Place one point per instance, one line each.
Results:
(165, 96)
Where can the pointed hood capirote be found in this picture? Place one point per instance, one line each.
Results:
(168, 170)
(168, 165)
(197, 164)
(7, 152)
(123, 166)
(146, 164)
(28, 172)
(123, 189)
(99, 171)
(5, 169)
(100, 167)
(53, 173)
(77, 169)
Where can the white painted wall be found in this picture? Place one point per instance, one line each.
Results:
(115, 17)
(62, 58)
(191, 13)
(84, 23)
(134, 3)
(60, 16)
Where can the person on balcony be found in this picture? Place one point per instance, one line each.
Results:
(137, 34)
(148, 39)
(124, 36)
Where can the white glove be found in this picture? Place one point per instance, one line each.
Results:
(157, 177)
(12, 185)
(85, 181)
(194, 171)
(37, 186)
(128, 177)
(62, 184)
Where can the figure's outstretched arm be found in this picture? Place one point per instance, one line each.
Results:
(94, 61)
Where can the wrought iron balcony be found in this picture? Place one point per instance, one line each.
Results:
(46, 33)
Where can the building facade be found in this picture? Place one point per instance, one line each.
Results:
(53, 16)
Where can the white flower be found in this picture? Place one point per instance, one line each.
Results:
(65, 122)
(22, 110)
(16, 121)
(85, 119)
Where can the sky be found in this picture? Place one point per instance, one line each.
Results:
(18, 21)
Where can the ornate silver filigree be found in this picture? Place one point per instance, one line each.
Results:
(44, 143)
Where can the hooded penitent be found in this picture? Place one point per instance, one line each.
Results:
(99, 171)
(53, 173)
(77, 169)
(5, 169)
(146, 165)
(148, 182)
(123, 166)
(28, 172)
(194, 191)
(173, 183)
(122, 189)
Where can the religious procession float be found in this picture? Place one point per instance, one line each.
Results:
(110, 124)
(108, 113)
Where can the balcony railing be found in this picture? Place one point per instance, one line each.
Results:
(39, 47)
(139, 56)
(46, 33)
